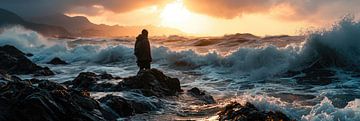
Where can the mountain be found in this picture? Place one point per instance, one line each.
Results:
(81, 26)
(8, 18)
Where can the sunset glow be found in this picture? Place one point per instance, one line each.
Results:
(278, 19)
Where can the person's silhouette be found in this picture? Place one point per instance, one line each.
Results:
(142, 50)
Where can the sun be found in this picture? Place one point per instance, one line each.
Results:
(175, 15)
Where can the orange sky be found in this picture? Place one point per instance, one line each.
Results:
(220, 18)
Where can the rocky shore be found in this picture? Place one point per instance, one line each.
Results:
(46, 100)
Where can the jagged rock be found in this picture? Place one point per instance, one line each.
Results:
(85, 80)
(49, 101)
(127, 107)
(57, 61)
(201, 95)
(151, 82)
(88, 81)
(118, 104)
(248, 112)
(13, 61)
(148, 82)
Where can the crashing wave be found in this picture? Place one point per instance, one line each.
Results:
(337, 47)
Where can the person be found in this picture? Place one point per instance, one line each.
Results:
(142, 50)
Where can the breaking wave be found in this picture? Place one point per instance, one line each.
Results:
(338, 46)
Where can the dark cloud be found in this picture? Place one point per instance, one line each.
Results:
(48, 7)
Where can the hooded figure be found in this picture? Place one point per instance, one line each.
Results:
(142, 50)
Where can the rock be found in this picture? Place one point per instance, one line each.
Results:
(43, 71)
(85, 80)
(49, 101)
(148, 82)
(201, 95)
(14, 61)
(57, 61)
(88, 81)
(29, 54)
(106, 76)
(151, 82)
(119, 105)
(248, 112)
(128, 107)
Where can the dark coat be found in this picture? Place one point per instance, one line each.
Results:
(142, 49)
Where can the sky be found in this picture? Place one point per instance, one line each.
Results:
(199, 17)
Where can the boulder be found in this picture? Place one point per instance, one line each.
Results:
(85, 80)
(13, 61)
(201, 95)
(128, 107)
(119, 105)
(151, 82)
(57, 61)
(248, 112)
(89, 81)
(49, 101)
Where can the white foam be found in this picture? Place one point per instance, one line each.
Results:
(340, 45)
(325, 111)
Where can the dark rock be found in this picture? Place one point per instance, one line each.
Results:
(85, 80)
(118, 104)
(106, 76)
(57, 61)
(248, 112)
(103, 87)
(88, 81)
(13, 61)
(43, 71)
(49, 101)
(201, 95)
(151, 82)
(29, 54)
(127, 107)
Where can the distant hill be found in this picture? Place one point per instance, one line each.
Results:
(81, 26)
(8, 18)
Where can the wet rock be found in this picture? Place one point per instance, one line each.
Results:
(89, 81)
(29, 54)
(248, 112)
(106, 76)
(201, 95)
(103, 87)
(151, 82)
(43, 71)
(85, 80)
(49, 101)
(13, 61)
(127, 107)
(57, 61)
(119, 105)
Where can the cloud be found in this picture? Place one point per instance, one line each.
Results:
(228, 8)
(311, 10)
(89, 7)
(316, 11)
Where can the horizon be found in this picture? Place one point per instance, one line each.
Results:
(199, 18)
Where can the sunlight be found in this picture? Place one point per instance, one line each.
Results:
(175, 14)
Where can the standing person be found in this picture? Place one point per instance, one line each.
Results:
(142, 50)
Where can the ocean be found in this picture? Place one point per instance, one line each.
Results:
(312, 77)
